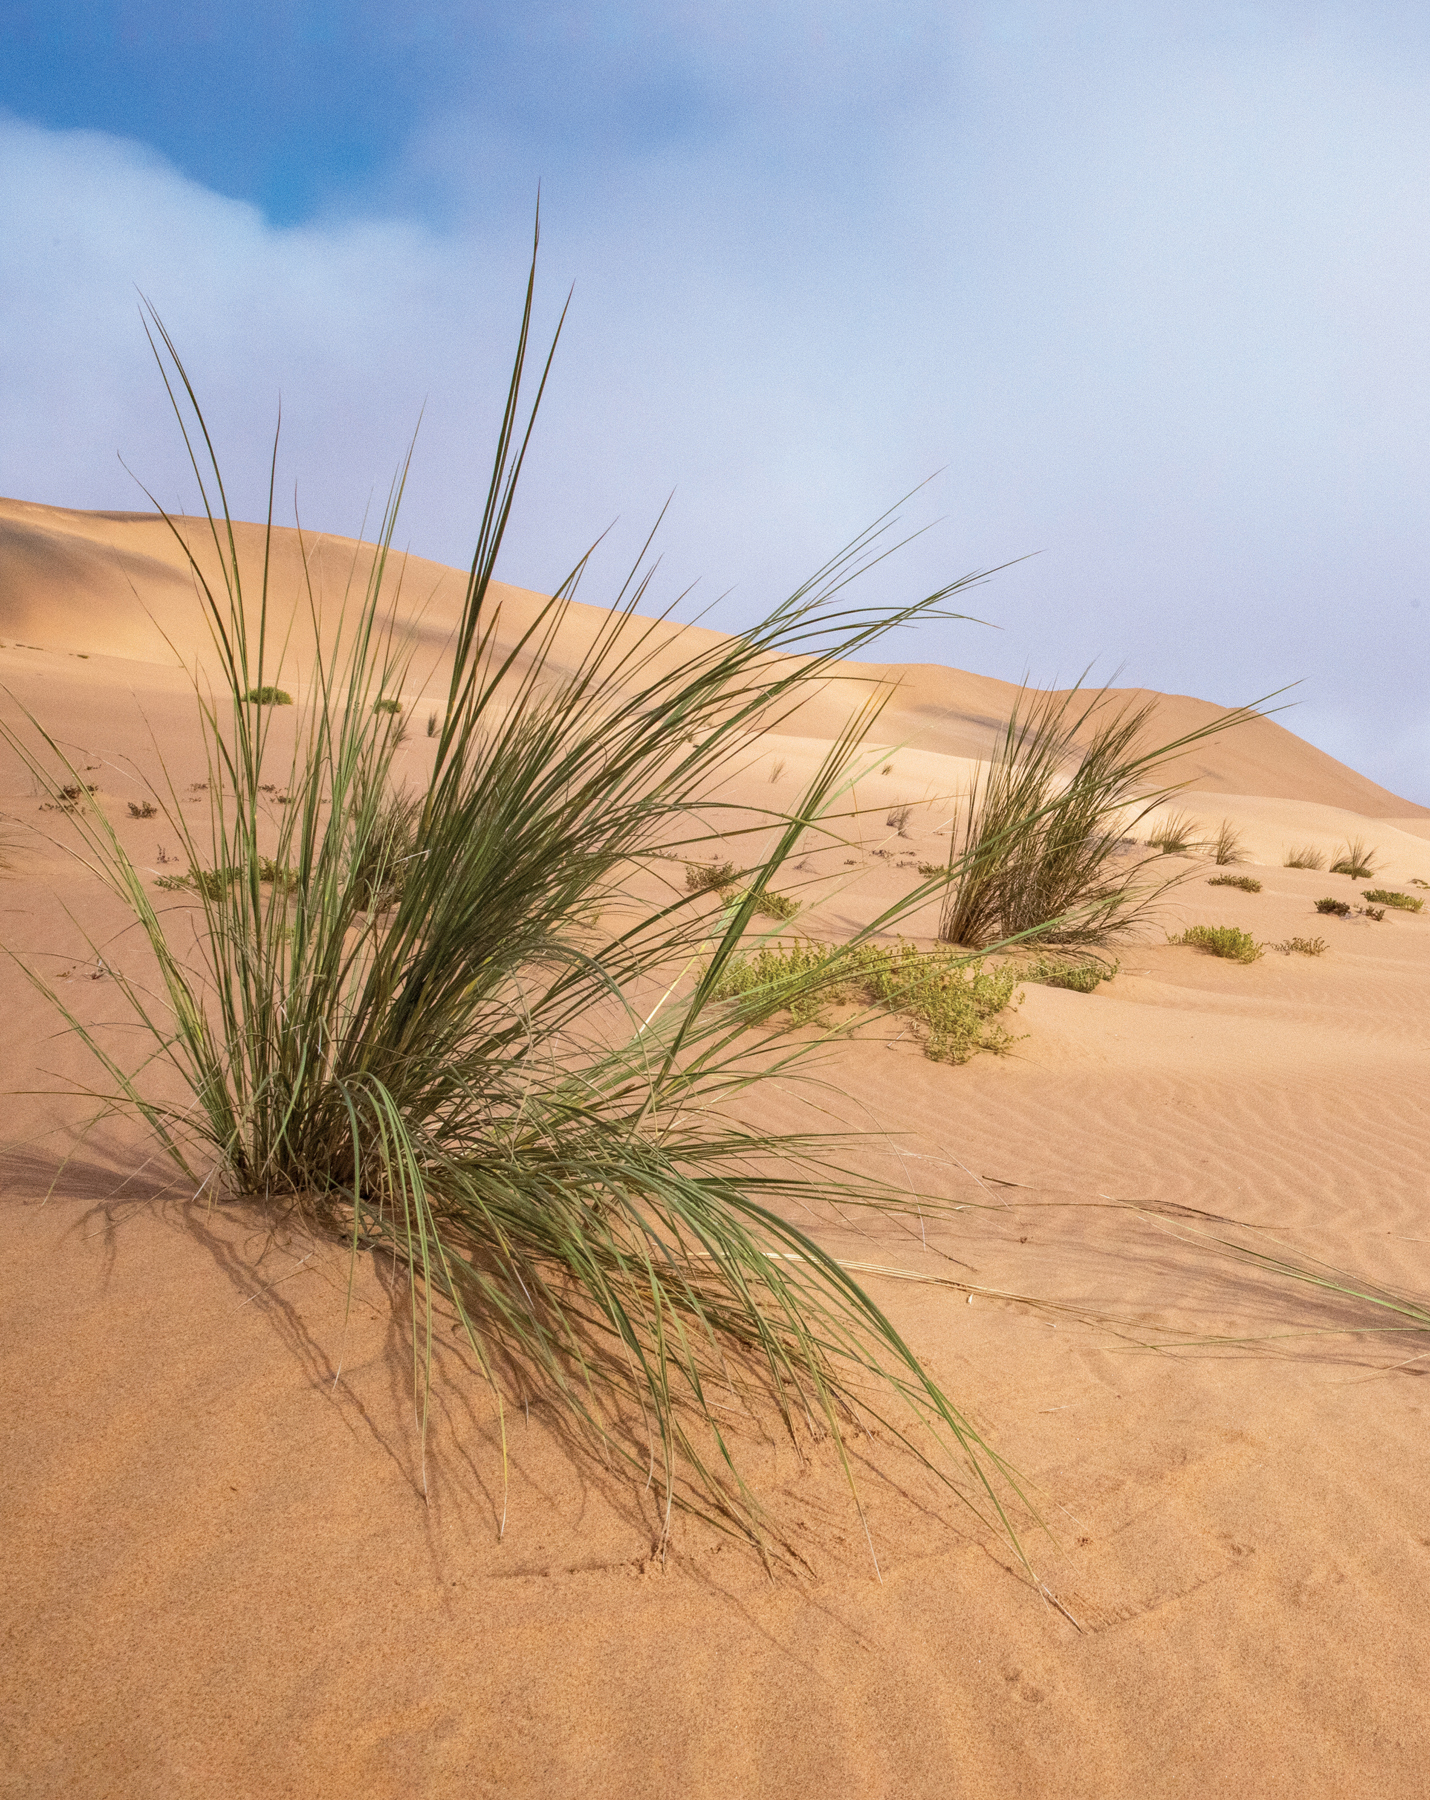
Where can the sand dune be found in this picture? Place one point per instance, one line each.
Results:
(222, 1576)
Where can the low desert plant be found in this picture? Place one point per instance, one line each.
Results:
(1340, 908)
(1222, 940)
(1038, 849)
(1356, 860)
(1300, 946)
(710, 878)
(386, 704)
(897, 818)
(954, 1001)
(777, 768)
(1392, 897)
(1247, 883)
(142, 809)
(1304, 856)
(1176, 834)
(767, 904)
(1415, 881)
(431, 724)
(1082, 976)
(1374, 912)
(265, 694)
(1227, 846)
(473, 1077)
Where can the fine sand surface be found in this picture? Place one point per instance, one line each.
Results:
(221, 1575)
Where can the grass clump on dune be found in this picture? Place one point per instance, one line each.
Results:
(427, 1043)
(1301, 946)
(1356, 859)
(1038, 850)
(1227, 846)
(1247, 883)
(954, 1002)
(1177, 834)
(1340, 909)
(266, 694)
(1392, 897)
(1304, 856)
(1222, 940)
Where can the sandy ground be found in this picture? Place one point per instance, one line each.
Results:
(222, 1576)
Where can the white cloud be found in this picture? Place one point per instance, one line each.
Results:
(1157, 304)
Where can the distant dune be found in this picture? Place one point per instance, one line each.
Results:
(117, 584)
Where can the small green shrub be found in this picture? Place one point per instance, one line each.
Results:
(1227, 846)
(1247, 883)
(1374, 912)
(955, 1002)
(1300, 946)
(1392, 897)
(282, 877)
(1341, 908)
(387, 705)
(930, 870)
(268, 696)
(1222, 940)
(1356, 860)
(1415, 881)
(1080, 977)
(1305, 856)
(710, 878)
(142, 809)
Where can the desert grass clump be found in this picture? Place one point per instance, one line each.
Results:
(266, 694)
(1222, 940)
(428, 1043)
(386, 704)
(1176, 835)
(1340, 909)
(1393, 897)
(142, 809)
(1356, 859)
(954, 1001)
(1301, 946)
(1304, 856)
(1247, 883)
(897, 818)
(1038, 850)
(1227, 846)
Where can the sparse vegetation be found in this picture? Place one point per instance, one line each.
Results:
(710, 878)
(1341, 909)
(386, 704)
(1356, 860)
(1222, 940)
(777, 768)
(897, 818)
(142, 809)
(431, 724)
(1039, 847)
(267, 695)
(1374, 912)
(1393, 897)
(1227, 846)
(1177, 834)
(1304, 856)
(955, 1002)
(1300, 946)
(1247, 883)
(1082, 977)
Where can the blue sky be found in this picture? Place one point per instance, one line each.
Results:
(1144, 285)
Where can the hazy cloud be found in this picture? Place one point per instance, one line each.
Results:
(1149, 287)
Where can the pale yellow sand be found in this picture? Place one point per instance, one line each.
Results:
(220, 1574)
